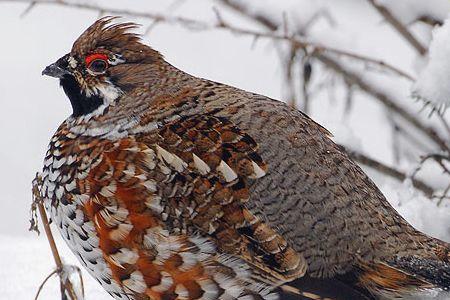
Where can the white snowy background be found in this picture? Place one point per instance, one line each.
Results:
(32, 106)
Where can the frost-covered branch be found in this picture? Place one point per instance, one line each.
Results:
(399, 27)
(351, 76)
(385, 99)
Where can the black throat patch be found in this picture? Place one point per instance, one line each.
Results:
(81, 104)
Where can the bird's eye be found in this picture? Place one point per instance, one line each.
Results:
(98, 66)
(97, 63)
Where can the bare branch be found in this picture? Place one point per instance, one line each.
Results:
(430, 20)
(439, 159)
(290, 83)
(28, 9)
(351, 77)
(399, 27)
(444, 123)
(445, 195)
(198, 25)
(369, 60)
(43, 283)
(273, 26)
(261, 19)
(390, 171)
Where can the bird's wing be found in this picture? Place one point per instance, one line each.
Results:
(169, 210)
(208, 163)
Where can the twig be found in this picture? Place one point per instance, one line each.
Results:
(397, 25)
(44, 282)
(50, 238)
(444, 123)
(172, 7)
(430, 20)
(28, 9)
(444, 195)
(439, 159)
(306, 76)
(198, 25)
(291, 95)
(390, 171)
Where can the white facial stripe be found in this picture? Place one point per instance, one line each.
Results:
(107, 90)
(72, 62)
(116, 59)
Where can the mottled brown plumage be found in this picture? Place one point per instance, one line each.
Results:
(168, 186)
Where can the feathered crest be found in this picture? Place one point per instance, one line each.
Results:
(117, 38)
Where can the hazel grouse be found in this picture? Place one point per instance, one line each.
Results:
(168, 186)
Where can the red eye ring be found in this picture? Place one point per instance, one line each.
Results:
(97, 63)
(90, 58)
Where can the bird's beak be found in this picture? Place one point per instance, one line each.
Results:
(57, 69)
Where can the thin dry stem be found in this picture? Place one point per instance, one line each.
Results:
(41, 286)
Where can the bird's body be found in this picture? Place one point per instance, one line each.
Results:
(167, 186)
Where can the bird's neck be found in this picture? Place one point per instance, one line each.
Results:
(88, 103)
(81, 103)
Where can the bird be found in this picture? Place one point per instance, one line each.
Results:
(168, 186)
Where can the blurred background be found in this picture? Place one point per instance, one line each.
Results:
(375, 73)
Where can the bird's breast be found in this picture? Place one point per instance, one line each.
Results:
(65, 201)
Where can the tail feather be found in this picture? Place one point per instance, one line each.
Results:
(395, 279)
(382, 276)
(434, 272)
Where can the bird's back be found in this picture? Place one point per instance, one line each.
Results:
(316, 197)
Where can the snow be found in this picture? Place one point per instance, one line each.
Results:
(418, 210)
(408, 11)
(433, 83)
(26, 260)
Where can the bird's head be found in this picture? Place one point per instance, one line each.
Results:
(105, 62)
